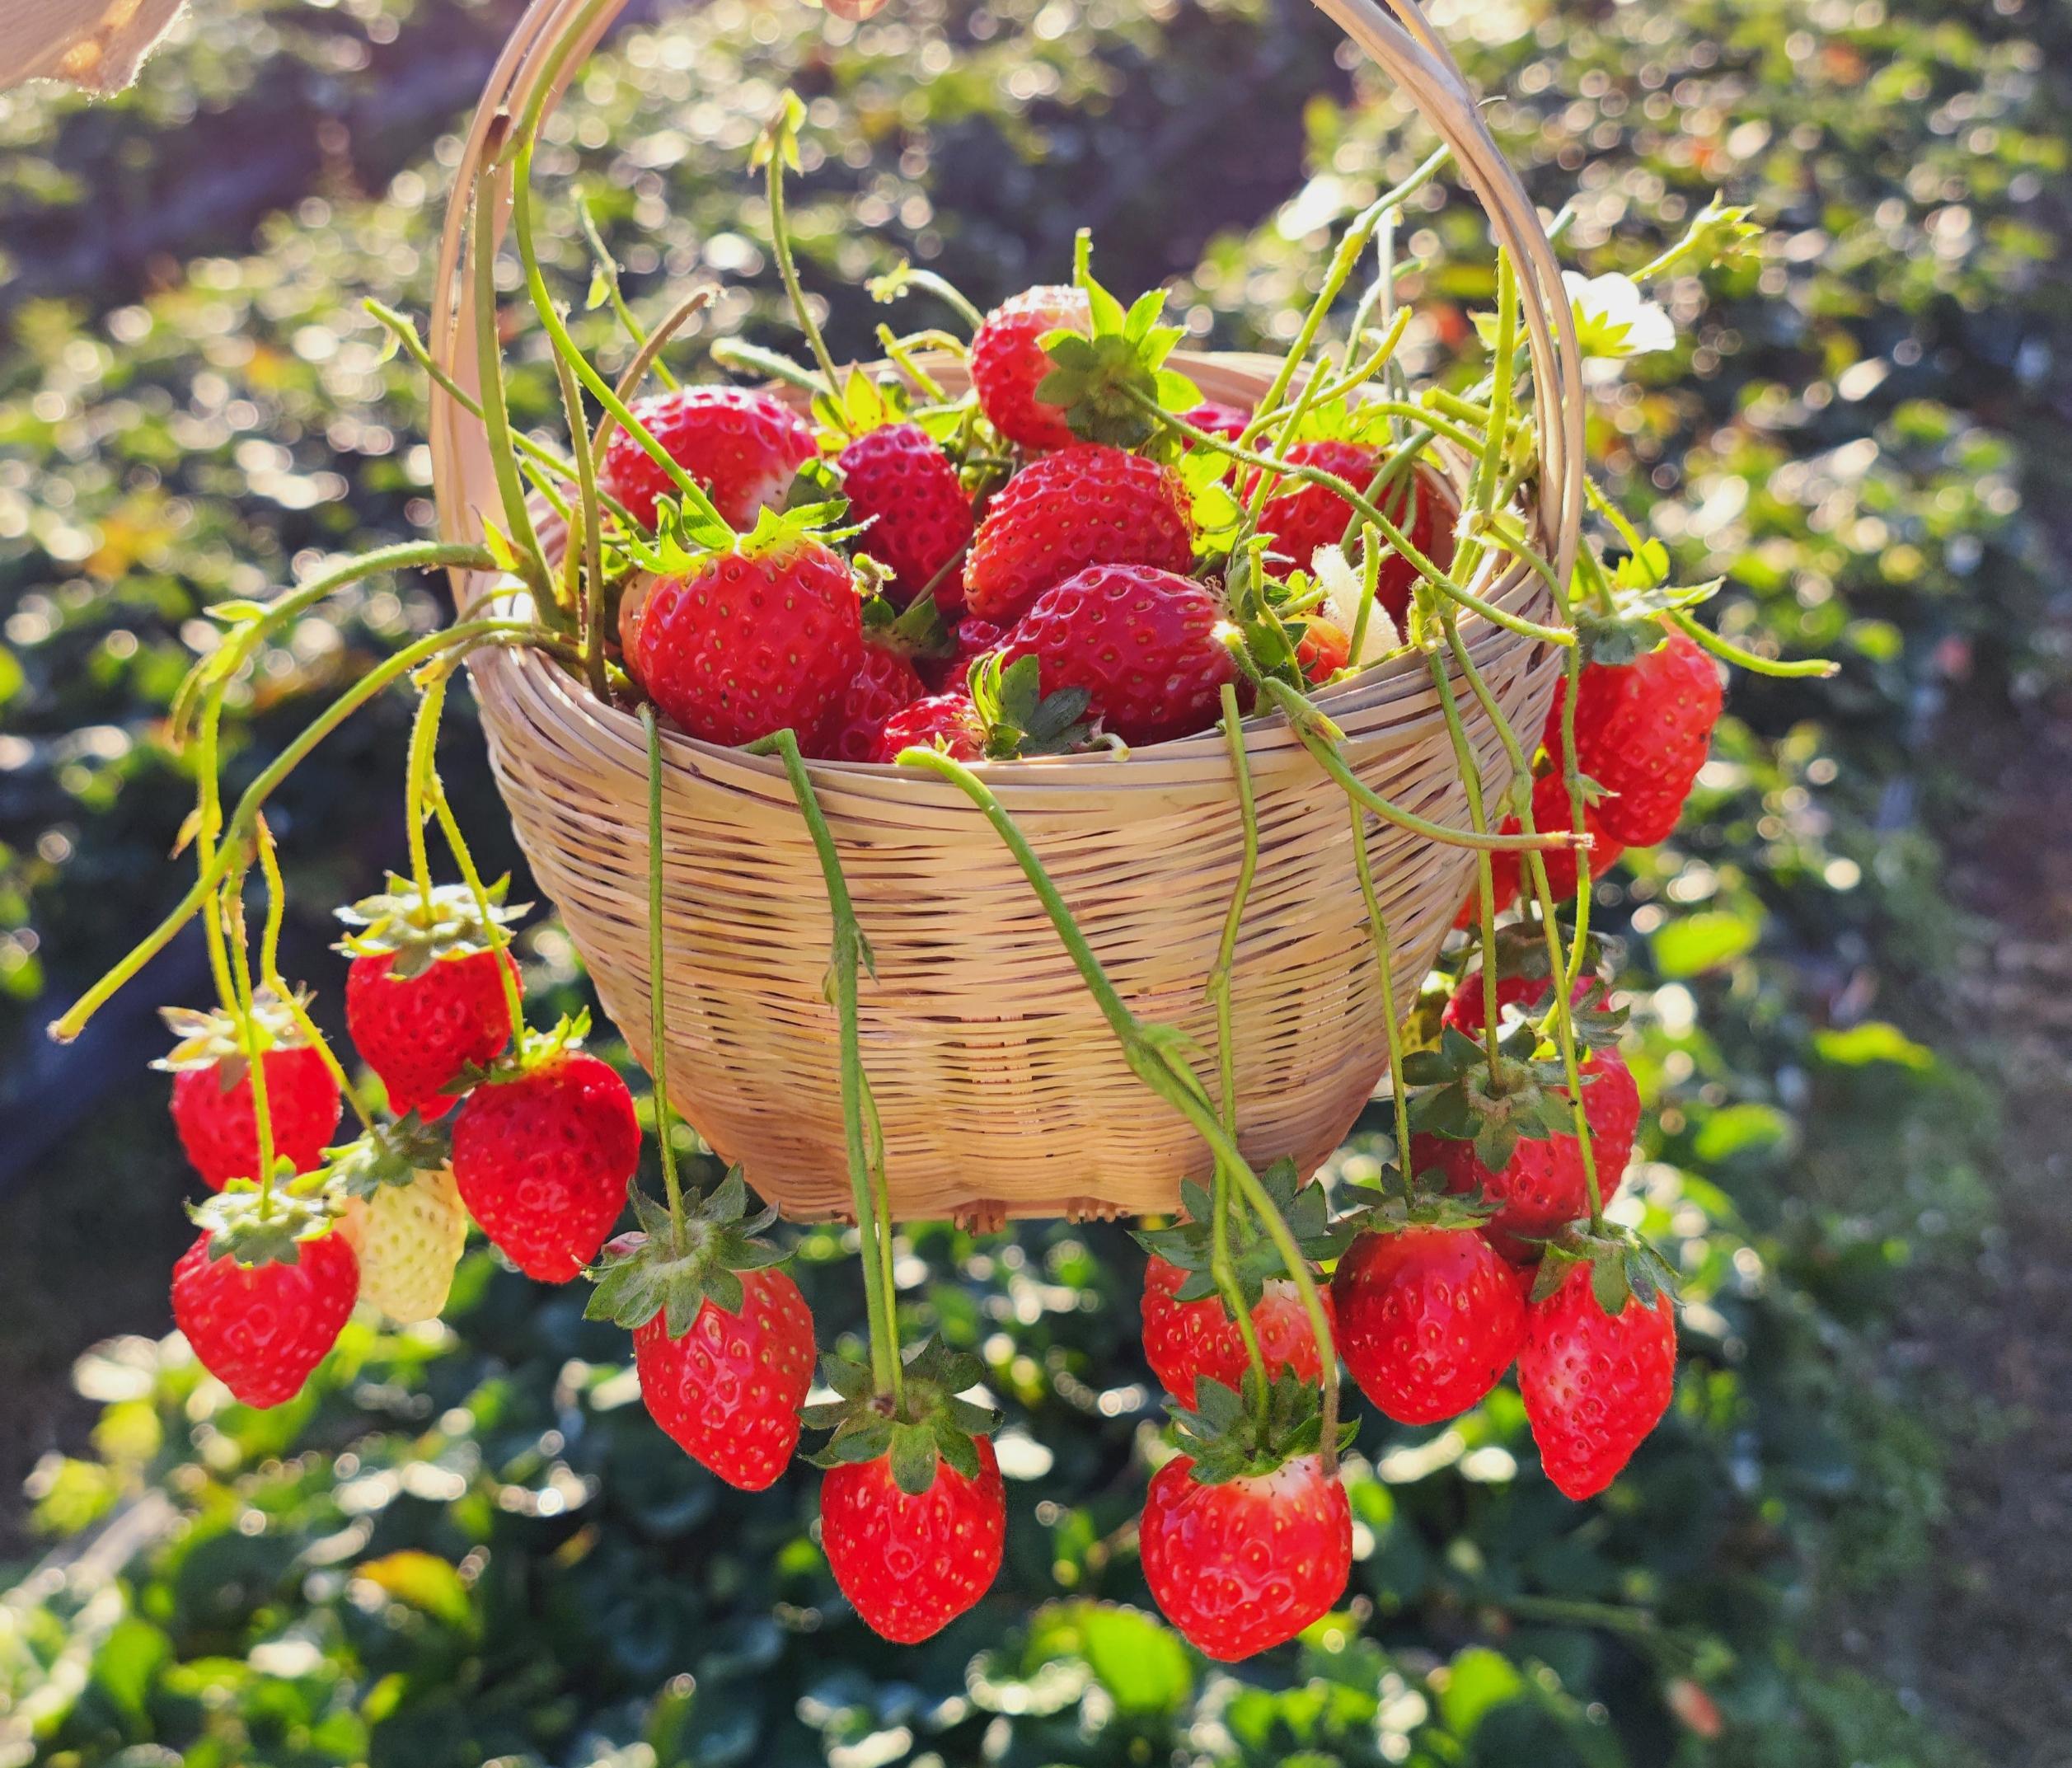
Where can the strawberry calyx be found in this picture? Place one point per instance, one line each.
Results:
(917, 630)
(1622, 1268)
(868, 403)
(1188, 1245)
(1017, 718)
(1232, 1433)
(1628, 623)
(218, 1038)
(529, 1053)
(673, 1267)
(256, 1227)
(686, 537)
(1100, 379)
(387, 1154)
(929, 1421)
(1461, 1097)
(418, 931)
(1395, 1213)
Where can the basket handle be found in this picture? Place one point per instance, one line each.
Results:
(1393, 34)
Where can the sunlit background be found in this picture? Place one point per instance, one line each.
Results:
(1848, 1544)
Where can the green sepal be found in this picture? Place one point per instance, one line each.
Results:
(867, 403)
(1240, 1433)
(1017, 718)
(674, 1268)
(780, 135)
(1641, 594)
(216, 1037)
(931, 1421)
(418, 932)
(1622, 1268)
(918, 630)
(1460, 1099)
(389, 1154)
(1099, 379)
(256, 1230)
(1427, 1205)
(1256, 1260)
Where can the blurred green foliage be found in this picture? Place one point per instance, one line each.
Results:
(468, 1542)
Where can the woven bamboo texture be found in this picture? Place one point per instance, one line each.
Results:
(1001, 1088)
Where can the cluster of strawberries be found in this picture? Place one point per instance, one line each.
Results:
(1025, 543)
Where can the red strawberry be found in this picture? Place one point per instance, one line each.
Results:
(1550, 809)
(1325, 648)
(1302, 518)
(974, 638)
(949, 721)
(1217, 419)
(1464, 1007)
(1594, 1384)
(742, 447)
(1008, 363)
(1643, 729)
(729, 1388)
(898, 480)
(260, 1327)
(1541, 1187)
(1088, 505)
(1243, 1566)
(1141, 641)
(882, 687)
(1430, 1317)
(751, 639)
(1184, 1340)
(425, 996)
(910, 1565)
(542, 1156)
(211, 1094)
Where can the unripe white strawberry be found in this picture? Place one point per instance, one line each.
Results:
(408, 1238)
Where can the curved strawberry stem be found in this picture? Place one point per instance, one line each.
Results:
(1370, 588)
(1220, 1267)
(233, 909)
(850, 949)
(658, 992)
(776, 147)
(607, 274)
(1378, 926)
(585, 556)
(270, 975)
(238, 831)
(417, 767)
(1155, 1055)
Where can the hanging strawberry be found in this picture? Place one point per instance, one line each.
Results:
(211, 1094)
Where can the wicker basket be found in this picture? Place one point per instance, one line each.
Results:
(1001, 1091)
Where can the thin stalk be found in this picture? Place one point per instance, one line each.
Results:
(1370, 587)
(1153, 1056)
(658, 992)
(1728, 652)
(751, 358)
(788, 272)
(948, 292)
(238, 830)
(496, 416)
(269, 973)
(255, 1050)
(636, 371)
(881, 1298)
(1219, 993)
(586, 540)
(1378, 926)
(897, 350)
(608, 269)
(423, 739)
(498, 934)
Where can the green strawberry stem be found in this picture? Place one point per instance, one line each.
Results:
(643, 360)
(269, 973)
(208, 822)
(1370, 587)
(431, 701)
(657, 990)
(520, 151)
(1561, 1013)
(880, 1296)
(1331, 481)
(1350, 249)
(1154, 1055)
(753, 358)
(586, 537)
(900, 350)
(1219, 993)
(1503, 376)
(234, 888)
(1470, 772)
(239, 828)
(896, 283)
(605, 277)
(778, 146)
(1378, 926)
(496, 416)
(1320, 738)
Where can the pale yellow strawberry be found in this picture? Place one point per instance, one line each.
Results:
(408, 1238)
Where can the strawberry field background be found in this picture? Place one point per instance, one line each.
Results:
(466, 1545)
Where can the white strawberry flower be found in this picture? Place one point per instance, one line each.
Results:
(1341, 583)
(1614, 320)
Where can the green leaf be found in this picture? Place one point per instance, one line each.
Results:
(424, 1582)
(1692, 945)
(1478, 1682)
(1142, 1665)
(1873, 1041)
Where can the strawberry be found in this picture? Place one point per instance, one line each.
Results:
(1526, 988)
(212, 1093)
(403, 1217)
(542, 1152)
(1508, 871)
(1008, 363)
(1217, 419)
(1325, 648)
(722, 1343)
(901, 483)
(947, 721)
(749, 636)
(1430, 1317)
(424, 995)
(1142, 642)
(742, 447)
(882, 687)
(1302, 518)
(1246, 1539)
(972, 639)
(1087, 504)
(913, 1516)
(1599, 1366)
(1184, 1340)
(263, 1293)
(1643, 729)
(1539, 1187)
